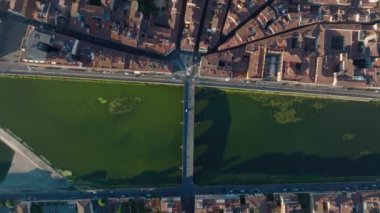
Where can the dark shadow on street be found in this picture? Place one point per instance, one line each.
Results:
(35, 179)
(165, 177)
(11, 36)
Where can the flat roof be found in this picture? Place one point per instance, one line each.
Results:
(32, 43)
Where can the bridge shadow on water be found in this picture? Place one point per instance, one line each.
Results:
(299, 164)
(215, 138)
(210, 147)
(165, 177)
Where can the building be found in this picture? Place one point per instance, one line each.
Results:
(84, 206)
(44, 48)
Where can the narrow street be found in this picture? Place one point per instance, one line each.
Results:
(181, 25)
(233, 32)
(201, 25)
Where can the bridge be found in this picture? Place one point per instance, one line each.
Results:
(25, 152)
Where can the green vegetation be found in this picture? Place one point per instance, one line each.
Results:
(123, 105)
(6, 157)
(246, 137)
(65, 173)
(67, 123)
(102, 101)
(10, 204)
(102, 202)
(285, 108)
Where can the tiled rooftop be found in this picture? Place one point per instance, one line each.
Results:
(213, 24)
(193, 14)
(325, 42)
(239, 11)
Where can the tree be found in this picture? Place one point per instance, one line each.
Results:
(10, 204)
(102, 202)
